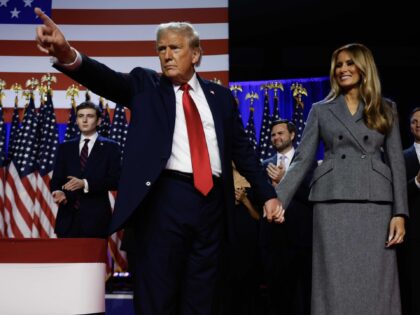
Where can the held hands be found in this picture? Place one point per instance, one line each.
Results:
(273, 211)
(396, 231)
(418, 177)
(51, 41)
(74, 184)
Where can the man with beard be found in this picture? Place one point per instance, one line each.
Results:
(286, 250)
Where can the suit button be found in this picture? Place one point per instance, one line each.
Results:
(363, 156)
(343, 156)
(148, 183)
(365, 138)
(340, 137)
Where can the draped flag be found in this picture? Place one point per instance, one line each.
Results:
(46, 209)
(298, 118)
(118, 133)
(21, 178)
(72, 130)
(14, 131)
(2, 167)
(250, 129)
(119, 126)
(265, 147)
(105, 125)
(120, 34)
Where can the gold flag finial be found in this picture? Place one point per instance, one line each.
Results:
(72, 91)
(32, 84)
(216, 80)
(49, 79)
(265, 87)
(252, 95)
(276, 86)
(2, 86)
(235, 88)
(298, 91)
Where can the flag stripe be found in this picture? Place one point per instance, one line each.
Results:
(138, 16)
(130, 4)
(122, 64)
(109, 32)
(107, 48)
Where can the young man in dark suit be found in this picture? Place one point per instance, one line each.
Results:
(287, 249)
(409, 253)
(176, 186)
(86, 168)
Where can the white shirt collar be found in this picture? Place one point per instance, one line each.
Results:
(92, 138)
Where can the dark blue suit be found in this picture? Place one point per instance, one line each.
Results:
(409, 251)
(178, 230)
(102, 173)
(287, 254)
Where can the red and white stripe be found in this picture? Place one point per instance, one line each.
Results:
(45, 210)
(120, 34)
(114, 243)
(2, 220)
(19, 203)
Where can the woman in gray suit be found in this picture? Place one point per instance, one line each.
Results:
(359, 190)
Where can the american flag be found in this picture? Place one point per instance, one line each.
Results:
(119, 127)
(298, 118)
(250, 129)
(105, 125)
(46, 209)
(72, 130)
(120, 34)
(265, 147)
(21, 178)
(2, 167)
(14, 131)
(118, 133)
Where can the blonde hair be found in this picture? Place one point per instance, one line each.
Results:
(377, 113)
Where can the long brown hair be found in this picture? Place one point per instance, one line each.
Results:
(377, 113)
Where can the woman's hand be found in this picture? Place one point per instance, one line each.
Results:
(396, 231)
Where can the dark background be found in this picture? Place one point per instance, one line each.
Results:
(295, 39)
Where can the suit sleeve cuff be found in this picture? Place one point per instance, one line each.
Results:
(69, 66)
(86, 189)
(417, 182)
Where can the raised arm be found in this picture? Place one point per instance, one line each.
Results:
(51, 41)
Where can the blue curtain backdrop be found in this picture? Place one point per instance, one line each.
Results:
(317, 89)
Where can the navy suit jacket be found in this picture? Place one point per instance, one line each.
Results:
(412, 167)
(151, 99)
(102, 173)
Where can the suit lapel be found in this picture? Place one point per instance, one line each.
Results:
(339, 109)
(168, 98)
(412, 161)
(215, 110)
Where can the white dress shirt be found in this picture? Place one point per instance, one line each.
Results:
(180, 159)
(90, 146)
(287, 158)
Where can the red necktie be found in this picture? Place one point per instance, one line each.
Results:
(200, 159)
(84, 155)
(83, 162)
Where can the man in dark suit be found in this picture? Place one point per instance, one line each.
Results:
(86, 168)
(409, 254)
(287, 249)
(176, 185)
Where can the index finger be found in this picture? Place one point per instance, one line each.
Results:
(45, 18)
